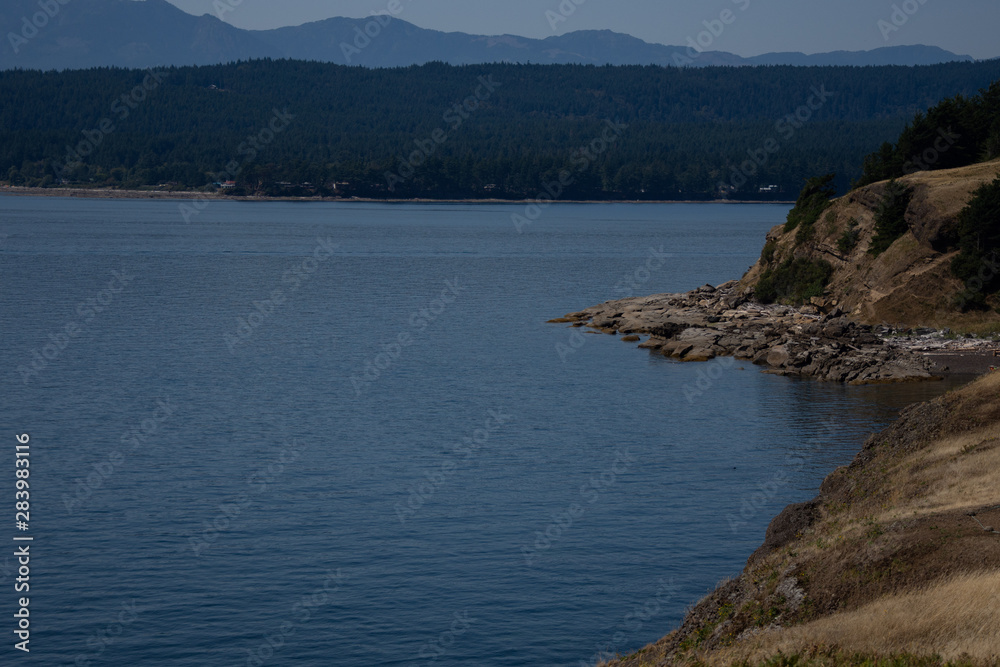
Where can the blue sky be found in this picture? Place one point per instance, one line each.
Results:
(759, 26)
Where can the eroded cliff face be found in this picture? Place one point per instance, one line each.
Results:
(911, 283)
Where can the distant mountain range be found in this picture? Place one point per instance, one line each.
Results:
(148, 33)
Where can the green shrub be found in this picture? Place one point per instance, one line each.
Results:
(978, 242)
(813, 200)
(794, 281)
(890, 218)
(767, 254)
(848, 241)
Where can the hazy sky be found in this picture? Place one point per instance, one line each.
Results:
(759, 26)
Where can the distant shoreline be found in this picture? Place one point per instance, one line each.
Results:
(109, 193)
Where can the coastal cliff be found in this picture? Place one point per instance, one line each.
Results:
(897, 560)
(898, 556)
(909, 282)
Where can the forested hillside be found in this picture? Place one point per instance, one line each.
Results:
(404, 132)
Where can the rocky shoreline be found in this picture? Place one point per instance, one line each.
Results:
(813, 341)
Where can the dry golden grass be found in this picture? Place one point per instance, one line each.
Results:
(955, 617)
(894, 567)
(958, 473)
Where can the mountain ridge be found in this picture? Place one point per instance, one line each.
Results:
(151, 33)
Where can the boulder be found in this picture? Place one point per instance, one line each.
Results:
(698, 354)
(778, 356)
(653, 344)
(678, 350)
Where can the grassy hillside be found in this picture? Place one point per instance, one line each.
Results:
(907, 280)
(896, 562)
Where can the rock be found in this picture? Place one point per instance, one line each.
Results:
(778, 356)
(735, 301)
(704, 324)
(666, 330)
(678, 351)
(809, 310)
(801, 359)
(700, 336)
(730, 342)
(833, 330)
(698, 354)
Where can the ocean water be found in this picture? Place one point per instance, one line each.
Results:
(344, 434)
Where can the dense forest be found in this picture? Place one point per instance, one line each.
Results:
(956, 132)
(498, 131)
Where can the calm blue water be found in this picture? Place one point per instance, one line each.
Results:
(327, 470)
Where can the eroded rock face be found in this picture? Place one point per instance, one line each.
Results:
(815, 341)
